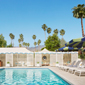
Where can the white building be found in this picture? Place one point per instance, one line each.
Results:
(24, 57)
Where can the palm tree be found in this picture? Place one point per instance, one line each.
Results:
(28, 45)
(79, 12)
(55, 31)
(39, 41)
(20, 45)
(21, 37)
(23, 43)
(35, 43)
(19, 40)
(11, 36)
(49, 30)
(34, 37)
(44, 27)
(62, 32)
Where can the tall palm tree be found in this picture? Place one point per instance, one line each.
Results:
(20, 45)
(23, 43)
(44, 27)
(28, 45)
(49, 30)
(21, 37)
(19, 40)
(12, 37)
(34, 37)
(79, 12)
(62, 32)
(55, 31)
(39, 41)
(35, 43)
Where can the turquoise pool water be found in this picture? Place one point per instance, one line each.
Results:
(30, 77)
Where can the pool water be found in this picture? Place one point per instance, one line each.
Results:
(30, 77)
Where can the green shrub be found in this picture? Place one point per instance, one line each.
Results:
(7, 62)
(37, 62)
(57, 62)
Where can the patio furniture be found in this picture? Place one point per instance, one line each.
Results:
(23, 63)
(29, 64)
(80, 71)
(72, 69)
(66, 68)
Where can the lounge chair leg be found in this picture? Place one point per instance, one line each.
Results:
(80, 74)
(74, 72)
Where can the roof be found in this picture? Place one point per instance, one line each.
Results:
(14, 50)
(45, 51)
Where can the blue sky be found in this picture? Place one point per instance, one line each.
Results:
(28, 16)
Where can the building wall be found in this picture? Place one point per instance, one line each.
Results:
(3, 59)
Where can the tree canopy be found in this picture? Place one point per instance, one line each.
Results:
(62, 32)
(79, 12)
(3, 42)
(55, 31)
(52, 43)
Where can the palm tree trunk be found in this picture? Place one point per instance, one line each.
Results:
(45, 35)
(38, 47)
(35, 48)
(82, 27)
(11, 41)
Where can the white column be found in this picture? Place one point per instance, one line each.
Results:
(56, 57)
(6, 60)
(32, 60)
(50, 61)
(35, 59)
(62, 58)
(12, 59)
(27, 57)
(17, 58)
(41, 59)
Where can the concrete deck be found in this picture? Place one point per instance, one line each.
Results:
(73, 79)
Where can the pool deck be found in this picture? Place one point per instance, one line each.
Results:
(73, 79)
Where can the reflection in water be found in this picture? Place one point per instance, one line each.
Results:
(29, 77)
(8, 76)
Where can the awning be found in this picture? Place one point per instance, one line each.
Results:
(20, 50)
(45, 51)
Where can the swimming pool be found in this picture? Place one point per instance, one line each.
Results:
(30, 77)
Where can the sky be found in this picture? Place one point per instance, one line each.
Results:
(28, 16)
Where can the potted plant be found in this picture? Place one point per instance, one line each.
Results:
(8, 64)
(38, 64)
(57, 63)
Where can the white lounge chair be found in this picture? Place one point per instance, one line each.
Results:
(66, 68)
(78, 66)
(80, 71)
